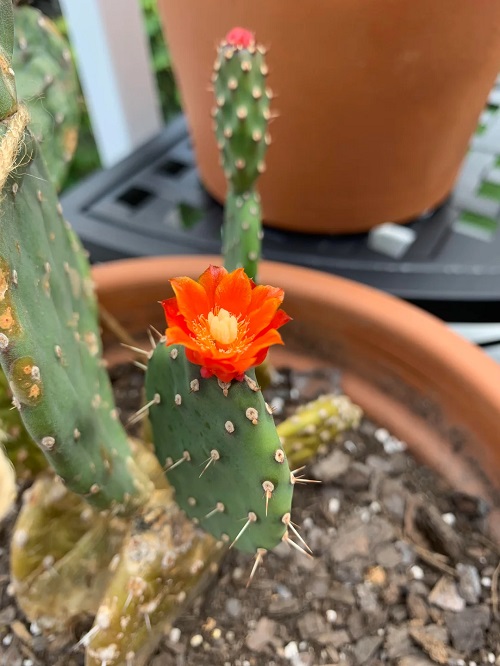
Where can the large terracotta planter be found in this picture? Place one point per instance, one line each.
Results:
(406, 369)
(377, 100)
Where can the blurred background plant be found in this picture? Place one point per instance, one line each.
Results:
(86, 158)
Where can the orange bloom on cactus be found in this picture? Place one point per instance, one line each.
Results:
(224, 320)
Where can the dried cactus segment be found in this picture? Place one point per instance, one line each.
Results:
(164, 563)
(218, 446)
(47, 83)
(317, 423)
(60, 552)
(51, 350)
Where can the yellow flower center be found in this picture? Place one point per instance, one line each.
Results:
(223, 326)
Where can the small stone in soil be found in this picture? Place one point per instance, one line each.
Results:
(445, 595)
(262, 636)
(469, 583)
(366, 648)
(467, 629)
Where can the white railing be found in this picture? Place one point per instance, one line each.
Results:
(115, 72)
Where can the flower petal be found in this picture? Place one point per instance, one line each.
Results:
(192, 299)
(270, 337)
(172, 314)
(177, 335)
(280, 319)
(261, 293)
(234, 292)
(210, 280)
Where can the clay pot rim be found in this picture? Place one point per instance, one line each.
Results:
(377, 311)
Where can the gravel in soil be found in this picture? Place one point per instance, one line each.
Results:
(403, 571)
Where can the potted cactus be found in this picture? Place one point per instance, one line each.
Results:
(379, 117)
(214, 438)
(119, 520)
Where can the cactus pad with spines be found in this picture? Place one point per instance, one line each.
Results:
(241, 115)
(19, 447)
(50, 347)
(47, 83)
(231, 452)
(8, 97)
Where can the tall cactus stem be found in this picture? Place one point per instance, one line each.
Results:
(241, 115)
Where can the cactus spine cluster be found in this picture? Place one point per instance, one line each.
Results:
(241, 115)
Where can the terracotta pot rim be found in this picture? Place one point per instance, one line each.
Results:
(380, 312)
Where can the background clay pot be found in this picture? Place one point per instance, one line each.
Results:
(407, 370)
(377, 100)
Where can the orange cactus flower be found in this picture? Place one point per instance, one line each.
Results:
(224, 320)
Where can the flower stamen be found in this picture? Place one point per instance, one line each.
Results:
(223, 326)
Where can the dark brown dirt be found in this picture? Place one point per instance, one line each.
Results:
(403, 572)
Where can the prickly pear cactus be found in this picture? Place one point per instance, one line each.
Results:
(47, 83)
(220, 448)
(50, 347)
(241, 115)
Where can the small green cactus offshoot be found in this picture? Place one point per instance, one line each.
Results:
(241, 115)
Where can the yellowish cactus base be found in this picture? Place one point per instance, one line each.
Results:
(8, 490)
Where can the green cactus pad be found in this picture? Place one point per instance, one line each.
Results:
(19, 447)
(230, 451)
(49, 338)
(8, 98)
(47, 83)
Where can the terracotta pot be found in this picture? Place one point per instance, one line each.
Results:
(408, 371)
(377, 100)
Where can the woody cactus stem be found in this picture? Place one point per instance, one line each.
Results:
(165, 562)
(49, 337)
(241, 115)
